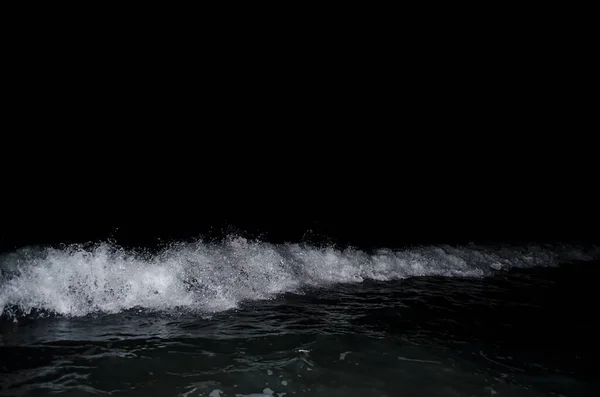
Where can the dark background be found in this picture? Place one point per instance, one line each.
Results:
(397, 190)
(450, 136)
(380, 172)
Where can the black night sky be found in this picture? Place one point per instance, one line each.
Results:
(352, 154)
(372, 192)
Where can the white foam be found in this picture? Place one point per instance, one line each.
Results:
(212, 277)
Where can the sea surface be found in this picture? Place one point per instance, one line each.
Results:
(239, 317)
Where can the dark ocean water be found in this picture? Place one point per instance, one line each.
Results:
(249, 318)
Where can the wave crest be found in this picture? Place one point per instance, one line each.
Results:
(209, 276)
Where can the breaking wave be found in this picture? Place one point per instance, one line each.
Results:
(210, 276)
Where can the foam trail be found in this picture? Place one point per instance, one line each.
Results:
(210, 277)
